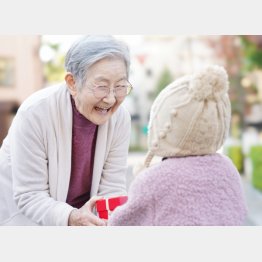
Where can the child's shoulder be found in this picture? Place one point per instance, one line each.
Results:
(154, 173)
(151, 172)
(181, 165)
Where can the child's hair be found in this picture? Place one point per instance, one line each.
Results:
(191, 116)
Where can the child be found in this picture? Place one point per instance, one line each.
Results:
(193, 185)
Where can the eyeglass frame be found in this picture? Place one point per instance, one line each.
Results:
(109, 89)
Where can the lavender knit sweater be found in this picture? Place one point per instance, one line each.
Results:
(197, 191)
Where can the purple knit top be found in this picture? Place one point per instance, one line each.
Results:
(185, 191)
(83, 150)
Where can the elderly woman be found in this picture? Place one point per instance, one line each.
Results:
(68, 144)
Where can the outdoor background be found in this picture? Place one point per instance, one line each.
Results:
(29, 63)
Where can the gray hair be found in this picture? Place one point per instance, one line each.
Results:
(90, 49)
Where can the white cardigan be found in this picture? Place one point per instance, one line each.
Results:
(35, 160)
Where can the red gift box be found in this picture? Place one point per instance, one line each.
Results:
(107, 205)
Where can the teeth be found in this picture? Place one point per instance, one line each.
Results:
(103, 108)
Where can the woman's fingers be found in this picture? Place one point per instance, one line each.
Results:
(84, 216)
(95, 221)
(89, 217)
(92, 201)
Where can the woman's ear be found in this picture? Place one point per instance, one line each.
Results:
(70, 81)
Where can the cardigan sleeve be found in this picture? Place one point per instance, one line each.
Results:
(139, 210)
(30, 172)
(113, 178)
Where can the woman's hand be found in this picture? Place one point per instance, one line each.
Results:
(84, 215)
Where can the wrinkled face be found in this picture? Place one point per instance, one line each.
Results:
(108, 72)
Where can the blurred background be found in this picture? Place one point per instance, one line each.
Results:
(29, 63)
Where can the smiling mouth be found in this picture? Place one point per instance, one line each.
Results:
(102, 110)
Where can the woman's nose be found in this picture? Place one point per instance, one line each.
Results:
(110, 98)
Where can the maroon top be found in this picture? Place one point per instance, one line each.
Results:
(84, 135)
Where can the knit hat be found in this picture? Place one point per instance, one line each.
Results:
(191, 116)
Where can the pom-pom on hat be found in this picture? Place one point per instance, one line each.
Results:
(191, 116)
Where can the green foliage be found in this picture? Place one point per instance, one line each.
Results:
(237, 95)
(137, 148)
(256, 159)
(54, 70)
(252, 55)
(236, 155)
(164, 80)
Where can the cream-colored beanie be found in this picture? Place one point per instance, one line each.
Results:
(191, 116)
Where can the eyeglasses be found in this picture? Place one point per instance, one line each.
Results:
(120, 91)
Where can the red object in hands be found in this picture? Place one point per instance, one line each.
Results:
(105, 206)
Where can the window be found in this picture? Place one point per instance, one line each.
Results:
(7, 72)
